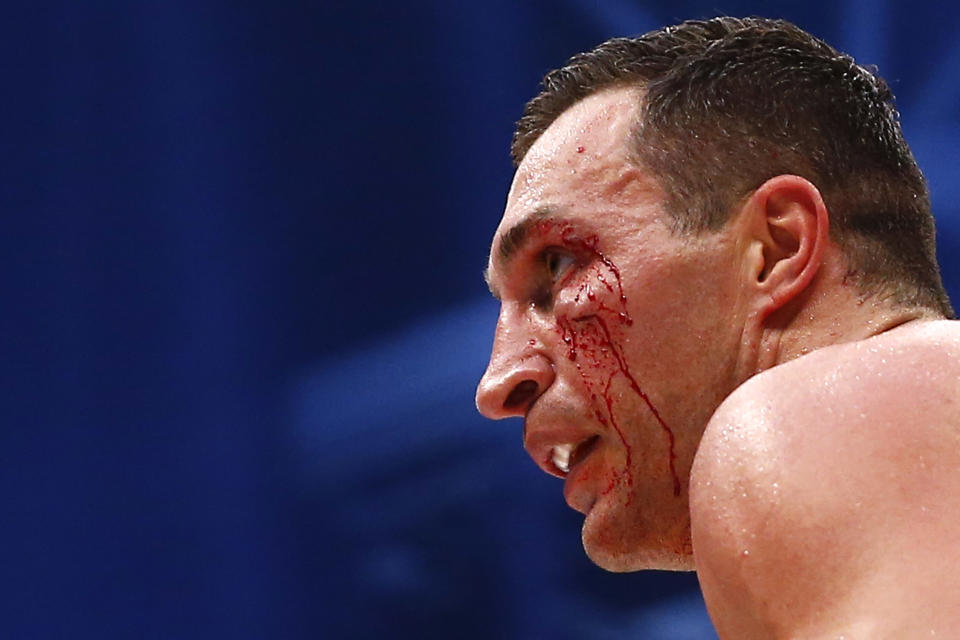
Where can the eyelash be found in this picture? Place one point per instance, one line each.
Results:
(552, 258)
(556, 262)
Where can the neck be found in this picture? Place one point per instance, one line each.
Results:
(831, 312)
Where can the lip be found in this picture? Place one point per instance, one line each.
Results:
(539, 441)
(541, 435)
(578, 497)
(582, 451)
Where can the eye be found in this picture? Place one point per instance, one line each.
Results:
(557, 262)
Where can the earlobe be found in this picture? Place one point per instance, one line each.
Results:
(789, 225)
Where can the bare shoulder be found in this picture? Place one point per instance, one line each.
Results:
(824, 493)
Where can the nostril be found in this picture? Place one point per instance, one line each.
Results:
(521, 395)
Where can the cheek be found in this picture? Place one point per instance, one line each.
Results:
(591, 322)
(590, 315)
(590, 349)
(596, 291)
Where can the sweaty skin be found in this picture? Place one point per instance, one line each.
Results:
(727, 401)
(826, 490)
(596, 346)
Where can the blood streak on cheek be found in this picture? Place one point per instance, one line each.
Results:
(588, 246)
(590, 345)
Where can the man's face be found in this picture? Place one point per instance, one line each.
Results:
(616, 338)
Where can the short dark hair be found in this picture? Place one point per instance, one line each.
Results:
(727, 103)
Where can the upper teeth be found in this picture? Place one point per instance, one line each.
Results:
(561, 457)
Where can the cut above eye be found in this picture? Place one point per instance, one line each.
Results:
(557, 262)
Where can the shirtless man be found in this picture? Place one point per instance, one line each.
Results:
(723, 322)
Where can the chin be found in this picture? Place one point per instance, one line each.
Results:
(642, 560)
(620, 553)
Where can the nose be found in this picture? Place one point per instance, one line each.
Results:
(518, 373)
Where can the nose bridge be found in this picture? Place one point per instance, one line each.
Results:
(519, 370)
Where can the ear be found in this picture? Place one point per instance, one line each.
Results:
(787, 226)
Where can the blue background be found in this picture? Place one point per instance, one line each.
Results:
(243, 314)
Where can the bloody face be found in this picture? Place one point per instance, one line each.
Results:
(615, 340)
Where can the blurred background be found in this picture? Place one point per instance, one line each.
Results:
(245, 315)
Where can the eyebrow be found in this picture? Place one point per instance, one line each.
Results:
(509, 243)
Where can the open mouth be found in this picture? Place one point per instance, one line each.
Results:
(567, 456)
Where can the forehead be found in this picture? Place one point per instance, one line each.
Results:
(582, 143)
(581, 168)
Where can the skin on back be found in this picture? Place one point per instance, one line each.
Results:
(825, 493)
